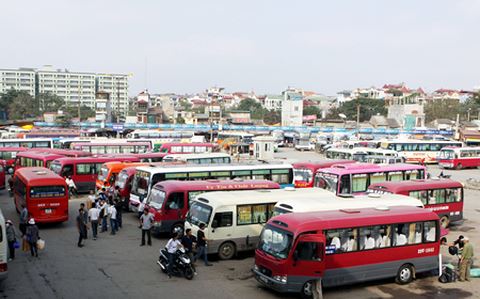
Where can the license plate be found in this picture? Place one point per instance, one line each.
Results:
(263, 279)
(48, 211)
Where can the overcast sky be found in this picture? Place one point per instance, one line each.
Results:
(265, 46)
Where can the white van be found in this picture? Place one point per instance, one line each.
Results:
(3, 249)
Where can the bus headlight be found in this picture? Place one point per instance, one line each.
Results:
(157, 223)
(280, 278)
(255, 267)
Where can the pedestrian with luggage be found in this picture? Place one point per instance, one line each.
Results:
(466, 260)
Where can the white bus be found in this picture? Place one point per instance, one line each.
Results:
(27, 142)
(209, 158)
(327, 202)
(418, 151)
(234, 219)
(147, 176)
(3, 249)
(357, 153)
(166, 136)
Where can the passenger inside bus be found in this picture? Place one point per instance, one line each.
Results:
(370, 242)
(307, 251)
(431, 234)
(400, 237)
(335, 242)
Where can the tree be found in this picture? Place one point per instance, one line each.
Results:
(256, 109)
(272, 117)
(312, 110)
(368, 108)
(180, 120)
(6, 100)
(23, 106)
(64, 120)
(85, 112)
(49, 102)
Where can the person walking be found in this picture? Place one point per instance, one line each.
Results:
(93, 215)
(11, 239)
(172, 245)
(112, 212)
(103, 215)
(32, 235)
(85, 217)
(119, 207)
(187, 241)
(23, 220)
(81, 227)
(202, 245)
(466, 260)
(146, 222)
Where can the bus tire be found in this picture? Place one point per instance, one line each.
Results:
(444, 221)
(226, 251)
(459, 166)
(307, 290)
(405, 274)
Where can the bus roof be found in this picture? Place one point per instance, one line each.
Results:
(314, 221)
(368, 167)
(226, 198)
(218, 185)
(109, 143)
(320, 164)
(329, 201)
(150, 155)
(39, 155)
(419, 141)
(176, 168)
(196, 156)
(39, 176)
(413, 185)
(14, 149)
(168, 144)
(63, 152)
(93, 159)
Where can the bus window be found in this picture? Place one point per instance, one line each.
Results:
(85, 169)
(259, 213)
(244, 214)
(175, 201)
(260, 174)
(395, 176)
(378, 177)
(281, 176)
(67, 170)
(113, 149)
(415, 233)
(308, 251)
(382, 235)
(454, 195)
(439, 195)
(400, 235)
(359, 182)
(20, 188)
(430, 231)
(349, 242)
(367, 238)
(412, 175)
(223, 219)
(345, 184)
(422, 195)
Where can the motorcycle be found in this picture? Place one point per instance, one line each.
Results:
(182, 264)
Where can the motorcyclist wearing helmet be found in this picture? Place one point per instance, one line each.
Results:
(172, 246)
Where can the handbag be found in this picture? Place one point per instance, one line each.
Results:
(40, 244)
(16, 244)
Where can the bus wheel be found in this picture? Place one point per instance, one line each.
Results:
(405, 274)
(226, 251)
(444, 221)
(459, 166)
(307, 290)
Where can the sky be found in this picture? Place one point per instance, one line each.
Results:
(263, 45)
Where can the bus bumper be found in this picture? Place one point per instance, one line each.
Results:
(276, 285)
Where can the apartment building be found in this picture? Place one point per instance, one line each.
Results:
(76, 88)
(117, 86)
(19, 79)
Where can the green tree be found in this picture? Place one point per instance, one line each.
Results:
(64, 120)
(23, 106)
(447, 108)
(272, 117)
(186, 105)
(368, 108)
(85, 112)
(312, 110)
(180, 120)
(6, 100)
(49, 102)
(255, 108)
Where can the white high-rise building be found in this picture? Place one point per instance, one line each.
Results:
(292, 107)
(117, 86)
(74, 87)
(18, 79)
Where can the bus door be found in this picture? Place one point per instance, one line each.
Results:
(2, 174)
(175, 208)
(308, 256)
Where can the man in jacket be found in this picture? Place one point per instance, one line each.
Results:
(11, 238)
(82, 227)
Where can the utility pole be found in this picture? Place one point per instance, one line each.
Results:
(358, 120)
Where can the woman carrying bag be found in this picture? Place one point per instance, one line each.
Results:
(32, 237)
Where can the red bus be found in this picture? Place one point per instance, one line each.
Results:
(2, 174)
(64, 152)
(84, 170)
(8, 154)
(170, 200)
(459, 157)
(43, 192)
(187, 148)
(124, 182)
(347, 246)
(34, 159)
(304, 172)
(442, 196)
(150, 157)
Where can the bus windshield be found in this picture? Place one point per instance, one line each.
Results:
(275, 242)
(199, 213)
(327, 181)
(121, 180)
(302, 174)
(103, 174)
(140, 183)
(446, 154)
(55, 167)
(157, 197)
